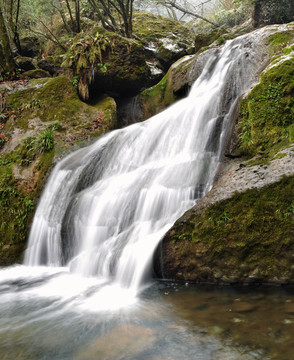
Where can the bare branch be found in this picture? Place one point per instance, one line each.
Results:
(173, 4)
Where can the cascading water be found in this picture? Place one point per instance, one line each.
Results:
(101, 216)
(106, 207)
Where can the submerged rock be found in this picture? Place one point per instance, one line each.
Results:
(123, 342)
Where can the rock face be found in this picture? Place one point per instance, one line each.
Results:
(42, 121)
(242, 231)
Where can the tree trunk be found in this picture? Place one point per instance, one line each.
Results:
(78, 17)
(15, 30)
(6, 48)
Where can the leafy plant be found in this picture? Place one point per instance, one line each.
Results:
(44, 141)
(31, 146)
(3, 140)
(85, 57)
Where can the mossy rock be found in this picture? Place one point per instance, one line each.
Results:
(127, 73)
(44, 122)
(107, 105)
(50, 100)
(278, 41)
(267, 114)
(119, 66)
(173, 86)
(169, 39)
(206, 39)
(150, 27)
(157, 98)
(36, 74)
(26, 63)
(247, 238)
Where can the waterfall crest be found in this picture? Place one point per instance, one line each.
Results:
(106, 207)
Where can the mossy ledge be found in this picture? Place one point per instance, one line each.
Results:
(267, 114)
(41, 123)
(246, 239)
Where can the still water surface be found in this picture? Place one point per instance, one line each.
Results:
(52, 314)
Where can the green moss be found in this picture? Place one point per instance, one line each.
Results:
(16, 209)
(252, 230)
(150, 27)
(255, 219)
(267, 114)
(279, 40)
(204, 40)
(220, 41)
(36, 74)
(23, 170)
(158, 97)
(50, 100)
(107, 105)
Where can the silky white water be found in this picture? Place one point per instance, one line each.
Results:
(106, 207)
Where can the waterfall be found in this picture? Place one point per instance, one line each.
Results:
(106, 207)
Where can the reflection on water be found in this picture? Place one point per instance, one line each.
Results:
(51, 314)
(246, 318)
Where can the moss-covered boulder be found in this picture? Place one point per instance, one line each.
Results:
(248, 238)
(267, 114)
(174, 85)
(166, 39)
(126, 72)
(26, 63)
(42, 121)
(36, 74)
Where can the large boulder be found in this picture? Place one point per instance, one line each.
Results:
(164, 39)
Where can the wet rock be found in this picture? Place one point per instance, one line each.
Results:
(123, 342)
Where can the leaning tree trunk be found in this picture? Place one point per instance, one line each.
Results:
(6, 48)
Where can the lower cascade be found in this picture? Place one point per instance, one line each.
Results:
(106, 207)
